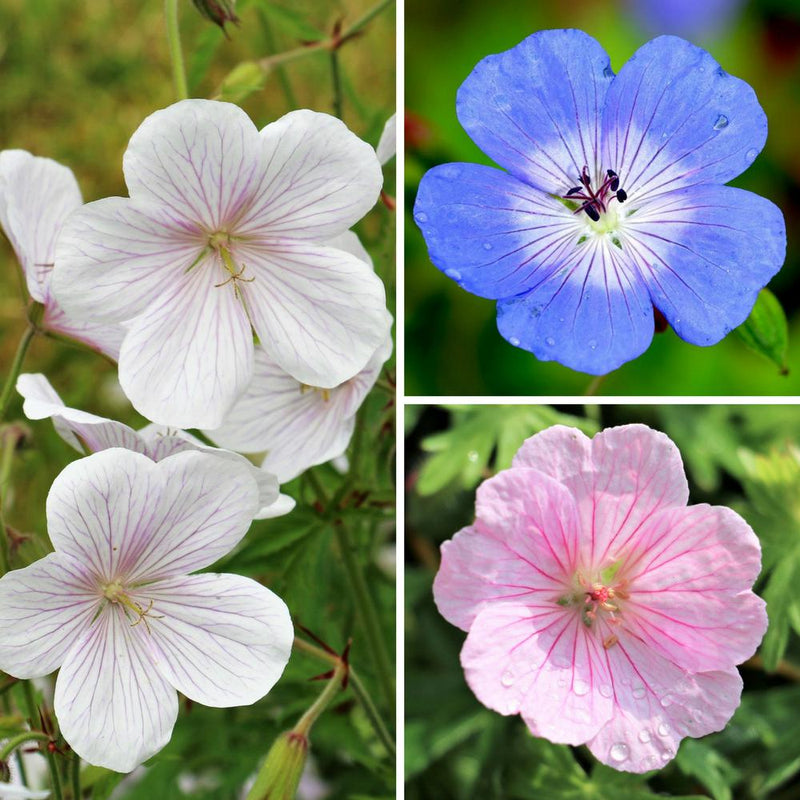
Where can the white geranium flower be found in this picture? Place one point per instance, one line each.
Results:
(223, 235)
(387, 146)
(115, 608)
(88, 433)
(36, 196)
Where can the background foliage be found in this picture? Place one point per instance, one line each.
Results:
(452, 343)
(746, 457)
(78, 77)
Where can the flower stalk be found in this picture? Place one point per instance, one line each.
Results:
(55, 778)
(34, 318)
(175, 51)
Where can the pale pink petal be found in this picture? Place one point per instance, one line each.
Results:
(320, 313)
(320, 179)
(113, 707)
(538, 660)
(79, 429)
(619, 480)
(222, 640)
(297, 426)
(201, 160)
(43, 608)
(387, 146)
(190, 355)
(36, 196)
(103, 337)
(119, 513)
(689, 579)
(115, 257)
(656, 704)
(520, 549)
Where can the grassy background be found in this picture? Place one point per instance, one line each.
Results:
(452, 344)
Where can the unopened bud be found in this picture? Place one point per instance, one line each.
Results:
(218, 11)
(280, 773)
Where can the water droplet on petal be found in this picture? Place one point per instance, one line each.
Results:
(664, 135)
(667, 755)
(507, 679)
(663, 729)
(451, 171)
(421, 217)
(666, 700)
(514, 341)
(644, 737)
(592, 344)
(619, 751)
(550, 341)
(580, 687)
(453, 273)
(722, 122)
(648, 763)
(608, 72)
(639, 692)
(606, 690)
(472, 455)
(751, 154)
(487, 245)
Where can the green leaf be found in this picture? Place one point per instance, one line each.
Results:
(242, 81)
(697, 759)
(780, 594)
(766, 330)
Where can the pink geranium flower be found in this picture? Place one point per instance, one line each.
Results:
(600, 607)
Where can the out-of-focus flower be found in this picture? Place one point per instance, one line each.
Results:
(88, 433)
(612, 203)
(115, 608)
(36, 196)
(220, 237)
(599, 605)
(687, 18)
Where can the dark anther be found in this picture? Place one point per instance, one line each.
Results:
(574, 190)
(584, 178)
(592, 212)
(622, 195)
(614, 179)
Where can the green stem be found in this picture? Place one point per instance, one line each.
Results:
(55, 778)
(76, 776)
(175, 52)
(331, 43)
(16, 368)
(6, 454)
(332, 688)
(366, 610)
(336, 79)
(594, 385)
(12, 744)
(283, 77)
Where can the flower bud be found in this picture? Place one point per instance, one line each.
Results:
(280, 773)
(218, 11)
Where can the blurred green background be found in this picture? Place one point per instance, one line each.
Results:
(77, 78)
(746, 457)
(452, 344)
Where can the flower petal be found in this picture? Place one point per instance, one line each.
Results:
(298, 427)
(201, 159)
(593, 314)
(79, 429)
(320, 313)
(689, 581)
(190, 355)
(656, 704)
(113, 706)
(10, 791)
(387, 146)
(36, 196)
(540, 662)
(674, 118)
(619, 480)
(43, 607)
(115, 257)
(536, 109)
(104, 337)
(705, 253)
(320, 179)
(119, 513)
(222, 640)
(492, 234)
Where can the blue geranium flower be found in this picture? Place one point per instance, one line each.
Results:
(613, 201)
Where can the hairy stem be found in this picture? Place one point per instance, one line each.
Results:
(21, 738)
(175, 51)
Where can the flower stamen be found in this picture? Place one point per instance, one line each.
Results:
(596, 203)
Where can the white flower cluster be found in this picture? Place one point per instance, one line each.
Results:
(236, 300)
